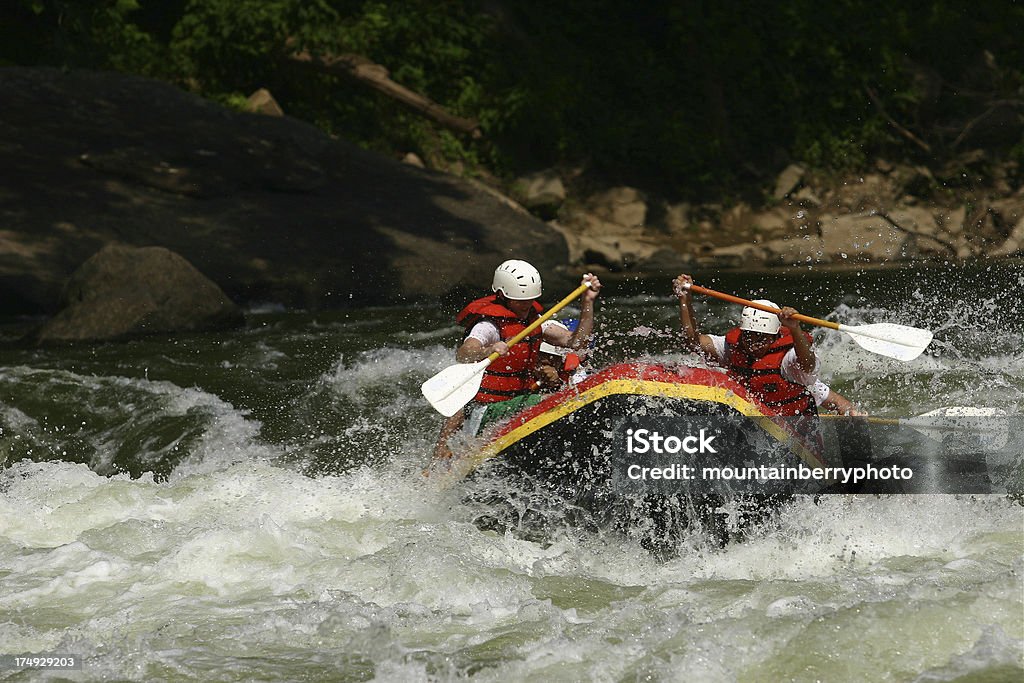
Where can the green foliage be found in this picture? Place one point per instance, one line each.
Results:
(685, 97)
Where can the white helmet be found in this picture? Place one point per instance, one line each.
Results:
(517, 280)
(756, 320)
(551, 348)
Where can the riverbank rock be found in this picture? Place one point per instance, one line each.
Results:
(788, 180)
(270, 208)
(128, 292)
(609, 231)
(542, 192)
(262, 102)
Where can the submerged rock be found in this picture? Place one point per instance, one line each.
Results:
(127, 292)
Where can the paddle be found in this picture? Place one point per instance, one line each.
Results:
(887, 339)
(936, 423)
(456, 385)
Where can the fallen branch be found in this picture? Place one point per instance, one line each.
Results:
(888, 219)
(892, 122)
(364, 71)
(994, 106)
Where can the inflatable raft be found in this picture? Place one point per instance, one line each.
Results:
(594, 447)
(595, 416)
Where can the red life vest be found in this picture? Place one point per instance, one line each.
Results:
(509, 375)
(762, 375)
(571, 365)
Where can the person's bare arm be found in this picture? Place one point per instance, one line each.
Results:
(840, 404)
(450, 426)
(472, 350)
(693, 340)
(805, 359)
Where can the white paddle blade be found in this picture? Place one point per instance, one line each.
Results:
(988, 426)
(901, 342)
(454, 387)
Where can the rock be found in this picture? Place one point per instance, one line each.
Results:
(262, 102)
(951, 222)
(1013, 244)
(924, 228)
(788, 180)
(864, 237)
(270, 208)
(883, 166)
(593, 241)
(778, 221)
(915, 219)
(741, 255)
(789, 251)
(1008, 213)
(981, 228)
(504, 199)
(806, 197)
(1002, 187)
(127, 292)
(593, 237)
(919, 182)
(413, 160)
(869, 192)
(543, 191)
(674, 218)
(666, 260)
(625, 206)
(737, 220)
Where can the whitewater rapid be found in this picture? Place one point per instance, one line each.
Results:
(252, 507)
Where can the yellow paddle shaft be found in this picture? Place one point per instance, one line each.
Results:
(542, 319)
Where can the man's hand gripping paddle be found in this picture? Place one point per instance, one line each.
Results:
(455, 386)
(901, 342)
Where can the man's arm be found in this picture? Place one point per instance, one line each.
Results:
(579, 340)
(806, 362)
(693, 340)
(472, 350)
(840, 404)
(450, 426)
(482, 342)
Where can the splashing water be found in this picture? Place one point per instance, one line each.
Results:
(252, 506)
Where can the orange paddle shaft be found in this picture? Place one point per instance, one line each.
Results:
(761, 307)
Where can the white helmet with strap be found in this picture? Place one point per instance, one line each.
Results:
(517, 280)
(756, 320)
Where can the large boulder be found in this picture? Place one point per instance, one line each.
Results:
(270, 208)
(128, 292)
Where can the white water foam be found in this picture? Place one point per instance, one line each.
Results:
(254, 565)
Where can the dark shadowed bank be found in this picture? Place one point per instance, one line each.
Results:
(271, 209)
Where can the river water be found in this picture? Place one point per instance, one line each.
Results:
(250, 506)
